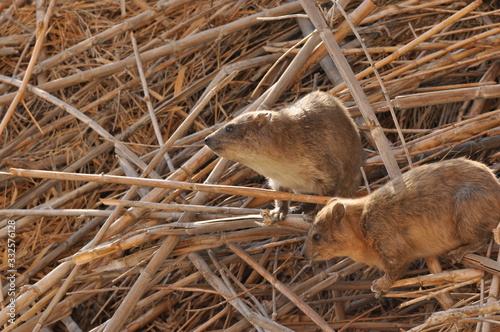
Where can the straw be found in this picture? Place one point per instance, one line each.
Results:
(121, 217)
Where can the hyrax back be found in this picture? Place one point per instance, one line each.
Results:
(312, 146)
(448, 207)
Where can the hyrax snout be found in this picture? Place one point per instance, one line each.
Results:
(310, 147)
(447, 207)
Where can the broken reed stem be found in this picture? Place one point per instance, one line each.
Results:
(453, 276)
(439, 292)
(453, 315)
(169, 184)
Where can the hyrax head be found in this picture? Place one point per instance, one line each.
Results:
(326, 238)
(240, 136)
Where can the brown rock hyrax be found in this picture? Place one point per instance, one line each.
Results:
(310, 147)
(447, 207)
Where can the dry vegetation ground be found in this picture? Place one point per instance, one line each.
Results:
(106, 256)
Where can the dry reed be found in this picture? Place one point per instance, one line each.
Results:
(119, 219)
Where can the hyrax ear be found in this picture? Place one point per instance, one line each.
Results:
(338, 212)
(262, 118)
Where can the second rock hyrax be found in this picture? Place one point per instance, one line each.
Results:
(309, 147)
(448, 207)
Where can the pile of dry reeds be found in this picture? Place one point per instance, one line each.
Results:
(101, 100)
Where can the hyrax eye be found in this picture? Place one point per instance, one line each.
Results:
(229, 128)
(316, 237)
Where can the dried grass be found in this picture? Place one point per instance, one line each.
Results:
(116, 252)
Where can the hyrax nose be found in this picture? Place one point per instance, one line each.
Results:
(303, 252)
(207, 139)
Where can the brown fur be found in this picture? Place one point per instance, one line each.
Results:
(448, 207)
(311, 147)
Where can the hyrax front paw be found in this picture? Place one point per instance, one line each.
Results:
(271, 217)
(380, 287)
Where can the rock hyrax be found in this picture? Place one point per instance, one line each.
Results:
(310, 147)
(447, 207)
